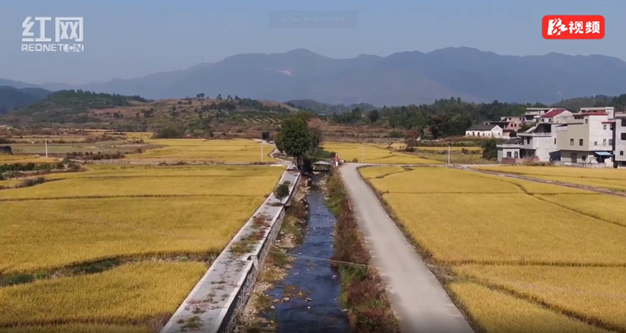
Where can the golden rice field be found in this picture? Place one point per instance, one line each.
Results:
(601, 177)
(133, 292)
(131, 215)
(497, 312)
(79, 328)
(373, 153)
(238, 150)
(518, 250)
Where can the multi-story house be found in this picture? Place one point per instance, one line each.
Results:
(588, 139)
(539, 143)
(619, 140)
(532, 114)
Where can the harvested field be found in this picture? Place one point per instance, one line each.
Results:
(373, 154)
(537, 247)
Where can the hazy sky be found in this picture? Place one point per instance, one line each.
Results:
(132, 38)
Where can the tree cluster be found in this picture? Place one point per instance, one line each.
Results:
(297, 140)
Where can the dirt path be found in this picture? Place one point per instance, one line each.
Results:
(417, 297)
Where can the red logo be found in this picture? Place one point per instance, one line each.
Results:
(573, 27)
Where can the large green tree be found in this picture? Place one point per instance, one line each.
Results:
(297, 140)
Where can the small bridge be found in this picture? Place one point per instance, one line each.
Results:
(322, 166)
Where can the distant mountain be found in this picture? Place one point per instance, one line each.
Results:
(398, 79)
(12, 98)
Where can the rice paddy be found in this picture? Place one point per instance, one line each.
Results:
(523, 256)
(200, 150)
(372, 153)
(610, 178)
(153, 224)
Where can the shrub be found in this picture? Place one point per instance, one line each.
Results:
(31, 182)
(282, 191)
(355, 160)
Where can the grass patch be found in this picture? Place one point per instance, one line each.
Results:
(362, 291)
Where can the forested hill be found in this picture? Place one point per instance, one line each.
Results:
(444, 117)
(12, 98)
(574, 104)
(68, 105)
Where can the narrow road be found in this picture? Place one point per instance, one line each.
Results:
(417, 297)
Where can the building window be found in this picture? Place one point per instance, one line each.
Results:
(604, 127)
(621, 153)
(571, 142)
(604, 142)
(527, 140)
(508, 154)
(595, 143)
(580, 142)
(516, 154)
(623, 122)
(586, 121)
(623, 136)
(610, 142)
(554, 140)
(584, 158)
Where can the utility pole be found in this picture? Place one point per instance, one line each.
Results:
(261, 152)
(46, 143)
(448, 154)
(362, 154)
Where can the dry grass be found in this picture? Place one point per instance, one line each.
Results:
(595, 292)
(129, 293)
(373, 154)
(601, 177)
(496, 312)
(79, 328)
(239, 150)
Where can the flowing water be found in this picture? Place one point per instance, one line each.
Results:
(312, 285)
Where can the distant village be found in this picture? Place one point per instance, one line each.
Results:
(593, 137)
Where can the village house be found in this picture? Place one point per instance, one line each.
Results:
(588, 139)
(485, 130)
(509, 125)
(619, 140)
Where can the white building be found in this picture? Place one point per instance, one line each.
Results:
(538, 143)
(487, 131)
(619, 151)
(588, 139)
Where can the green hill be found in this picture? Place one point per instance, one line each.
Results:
(12, 98)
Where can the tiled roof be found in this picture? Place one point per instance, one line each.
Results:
(552, 113)
(479, 127)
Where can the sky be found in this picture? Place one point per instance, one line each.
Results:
(126, 39)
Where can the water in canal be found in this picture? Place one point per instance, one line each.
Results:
(312, 285)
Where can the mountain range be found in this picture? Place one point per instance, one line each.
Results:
(398, 79)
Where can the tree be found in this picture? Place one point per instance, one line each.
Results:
(219, 97)
(200, 95)
(513, 134)
(295, 139)
(490, 149)
(373, 116)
